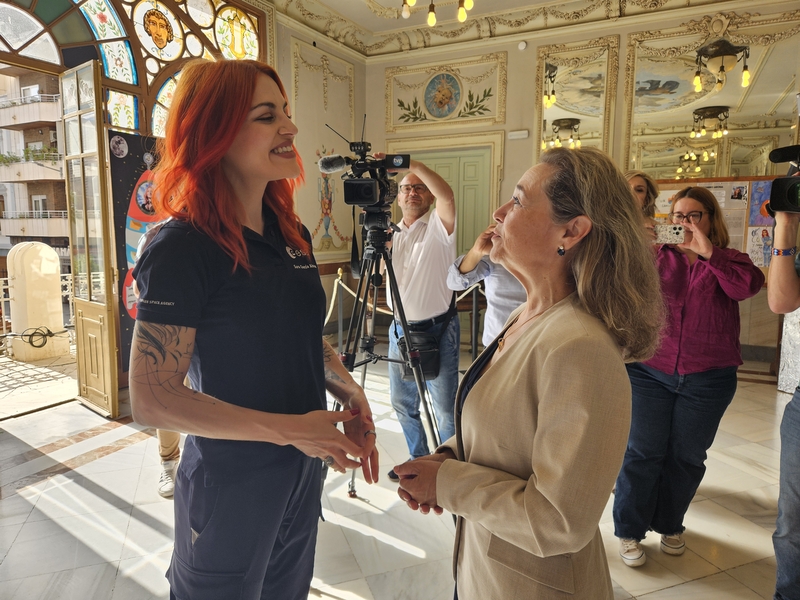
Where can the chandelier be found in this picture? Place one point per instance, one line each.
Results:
(571, 125)
(688, 163)
(549, 84)
(461, 13)
(710, 117)
(720, 57)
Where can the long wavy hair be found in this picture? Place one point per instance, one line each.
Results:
(210, 104)
(613, 267)
(718, 235)
(649, 207)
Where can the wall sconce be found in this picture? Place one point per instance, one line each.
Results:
(720, 57)
(549, 84)
(574, 140)
(709, 117)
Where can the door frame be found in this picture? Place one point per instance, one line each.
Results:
(494, 140)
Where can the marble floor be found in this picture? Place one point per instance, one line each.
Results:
(80, 517)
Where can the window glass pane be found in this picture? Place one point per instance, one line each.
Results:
(118, 62)
(85, 88)
(94, 222)
(44, 49)
(236, 35)
(103, 20)
(201, 11)
(122, 110)
(73, 136)
(18, 27)
(77, 229)
(69, 92)
(89, 132)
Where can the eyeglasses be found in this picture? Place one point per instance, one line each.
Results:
(417, 187)
(693, 217)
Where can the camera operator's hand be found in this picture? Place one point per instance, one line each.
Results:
(381, 156)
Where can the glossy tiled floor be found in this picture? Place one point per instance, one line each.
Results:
(80, 517)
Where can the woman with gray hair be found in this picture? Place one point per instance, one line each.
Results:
(543, 414)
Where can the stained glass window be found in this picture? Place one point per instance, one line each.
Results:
(163, 102)
(123, 110)
(236, 36)
(118, 62)
(19, 27)
(159, 31)
(44, 49)
(103, 20)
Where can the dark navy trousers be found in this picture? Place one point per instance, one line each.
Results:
(251, 537)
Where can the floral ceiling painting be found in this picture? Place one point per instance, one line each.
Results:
(467, 92)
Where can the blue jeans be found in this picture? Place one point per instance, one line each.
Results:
(442, 390)
(787, 535)
(674, 420)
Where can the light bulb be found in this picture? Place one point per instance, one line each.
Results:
(713, 154)
(552, 143)
(686, 156)
(719, 84)
(578, 143)
(572, 145)
(571, 139)
(693, 156)
(462, 12)
(705, 156)
(698, 84)
(406, 12)
(693, 134)
(702, 132)
(431, 15)
(544, 145)
(553, 97)
(725, 131)
(745, 77)
(697, 169)
(680, 169)
(468, 4)
(412, 2)
(558, 142)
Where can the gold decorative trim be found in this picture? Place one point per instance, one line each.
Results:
(605, 45)
(324, 68)
(494, 140)
(499, 65)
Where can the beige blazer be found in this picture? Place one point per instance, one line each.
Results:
(539, 444)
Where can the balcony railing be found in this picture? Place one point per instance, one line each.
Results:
(34, 155)
(7, 102)
(35, 214)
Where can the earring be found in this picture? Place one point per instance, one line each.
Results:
(561, 251)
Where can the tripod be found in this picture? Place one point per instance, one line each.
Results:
(376, 225)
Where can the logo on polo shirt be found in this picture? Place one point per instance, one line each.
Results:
(293, 253)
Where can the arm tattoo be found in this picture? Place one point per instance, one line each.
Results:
(162, 354)
(327, 356)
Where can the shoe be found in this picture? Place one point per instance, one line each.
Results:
(673, 544)
(393, 476)
(631, 552)
(166, 483)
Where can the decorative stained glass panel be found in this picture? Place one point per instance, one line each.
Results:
(236, 35)
(118, 62)
(123, 110)
(157, 28)
(69, 93)
(201, 11)
(159, 120)
(103, 19)
(85, 88)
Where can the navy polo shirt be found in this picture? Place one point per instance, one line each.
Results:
(259, 335)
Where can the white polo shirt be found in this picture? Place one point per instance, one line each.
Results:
(421, 255)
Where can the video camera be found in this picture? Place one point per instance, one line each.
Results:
(377, 191)
(785, 193)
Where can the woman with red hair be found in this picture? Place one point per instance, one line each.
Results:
(230, 294)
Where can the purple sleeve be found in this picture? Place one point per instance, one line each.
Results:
(737, 275)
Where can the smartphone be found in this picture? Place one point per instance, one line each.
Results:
(669, 234)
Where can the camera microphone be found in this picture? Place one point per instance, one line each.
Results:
(333, 163)
(786, 154)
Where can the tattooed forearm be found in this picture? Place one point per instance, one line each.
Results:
(164, 345)
(333, 377)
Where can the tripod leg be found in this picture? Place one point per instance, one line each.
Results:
(411, 357)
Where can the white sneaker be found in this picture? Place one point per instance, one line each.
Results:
(166, 483)
(631, 552)
(673, 544)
